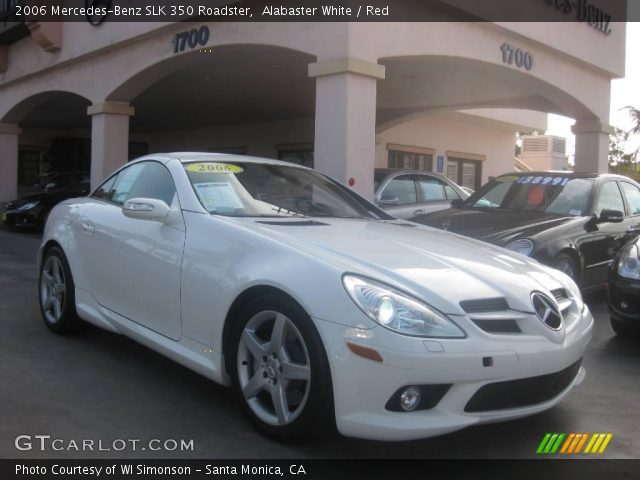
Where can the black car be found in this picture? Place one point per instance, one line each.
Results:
(32, 210)
(571, 221)
(623, 291)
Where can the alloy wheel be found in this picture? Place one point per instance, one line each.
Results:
(53, 289)
(274, 370)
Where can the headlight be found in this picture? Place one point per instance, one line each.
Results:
(524, 246)
(629, 263)
(398, 312)
(29, 206)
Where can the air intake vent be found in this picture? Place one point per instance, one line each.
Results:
(498, 326)
(484, 305)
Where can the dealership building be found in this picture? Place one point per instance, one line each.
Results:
(345, 98)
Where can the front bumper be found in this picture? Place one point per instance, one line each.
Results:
(17, 218)
(623, 297)
(363, 388)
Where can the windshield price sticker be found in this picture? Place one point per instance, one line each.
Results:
(212, 167)
(553, 181)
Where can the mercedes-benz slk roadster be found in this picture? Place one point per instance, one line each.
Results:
(319, 309)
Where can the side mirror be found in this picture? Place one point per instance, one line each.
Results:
(388, 201)
(146, 209)
(49, 186)
(610, 216)
(456, 203)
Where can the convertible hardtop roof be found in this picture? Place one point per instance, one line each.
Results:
(186, 157)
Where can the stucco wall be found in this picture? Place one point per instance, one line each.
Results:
(454, 132)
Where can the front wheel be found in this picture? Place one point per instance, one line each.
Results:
(567, 265)
(625, 330)
(280, 371)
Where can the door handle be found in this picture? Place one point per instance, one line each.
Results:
(88, 227)
(418, 212)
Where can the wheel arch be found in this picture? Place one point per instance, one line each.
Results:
(46, 247)
(239, 303)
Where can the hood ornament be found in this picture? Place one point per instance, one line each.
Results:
(546, 310)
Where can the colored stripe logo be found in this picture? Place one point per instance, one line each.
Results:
(574, 443)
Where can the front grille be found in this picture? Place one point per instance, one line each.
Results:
(523, 392)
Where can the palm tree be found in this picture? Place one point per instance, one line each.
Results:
(634, 113)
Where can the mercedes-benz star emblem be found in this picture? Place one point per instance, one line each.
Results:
(446, 223)
(546, 310)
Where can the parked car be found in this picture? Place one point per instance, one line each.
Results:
(318, 308)
(32, 210)
(407, 193)
(623, 292)
(571, 221)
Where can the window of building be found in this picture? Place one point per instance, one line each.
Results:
(298, 154)
(28, 166)
(404, 157)
(465, 169)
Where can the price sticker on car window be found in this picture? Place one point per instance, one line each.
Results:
(212, 167)
(538, 180)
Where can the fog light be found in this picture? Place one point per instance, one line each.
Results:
(410, 399)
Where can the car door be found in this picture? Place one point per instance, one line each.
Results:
(599, 245)
(136, 263)
(435, 194)
(399, 197)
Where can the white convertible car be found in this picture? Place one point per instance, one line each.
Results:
(320, 310)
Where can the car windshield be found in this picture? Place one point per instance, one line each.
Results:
(553, 193)
(245, 189)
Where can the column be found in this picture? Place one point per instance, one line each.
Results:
(345, 123)
(109, 138)
(592, 146)
(8, 162)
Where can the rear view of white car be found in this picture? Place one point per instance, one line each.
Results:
(316, 307)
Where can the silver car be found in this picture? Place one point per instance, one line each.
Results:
(407, 193)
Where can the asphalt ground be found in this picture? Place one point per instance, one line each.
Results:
(103, 387)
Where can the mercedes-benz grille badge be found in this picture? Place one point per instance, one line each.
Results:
(546, 310)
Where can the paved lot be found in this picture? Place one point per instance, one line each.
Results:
(97, 385)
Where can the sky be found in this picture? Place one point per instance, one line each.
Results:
(625, 91)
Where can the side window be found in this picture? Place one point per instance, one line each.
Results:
(610, 198)
(124, 183)
(451, 193)
(401, 189)
(432, 189)
(154, 181)
(105, 190)
(632, 194)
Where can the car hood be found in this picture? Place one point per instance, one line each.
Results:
(439, 267)
(495, 226)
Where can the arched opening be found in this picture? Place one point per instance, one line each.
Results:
(247, 99)
(54, 141)
(458, 116)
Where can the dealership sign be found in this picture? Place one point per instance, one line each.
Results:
(584, 11)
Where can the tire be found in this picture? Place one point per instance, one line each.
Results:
(297, 377)
(567, 264)
(624, 330)
(56, 293)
